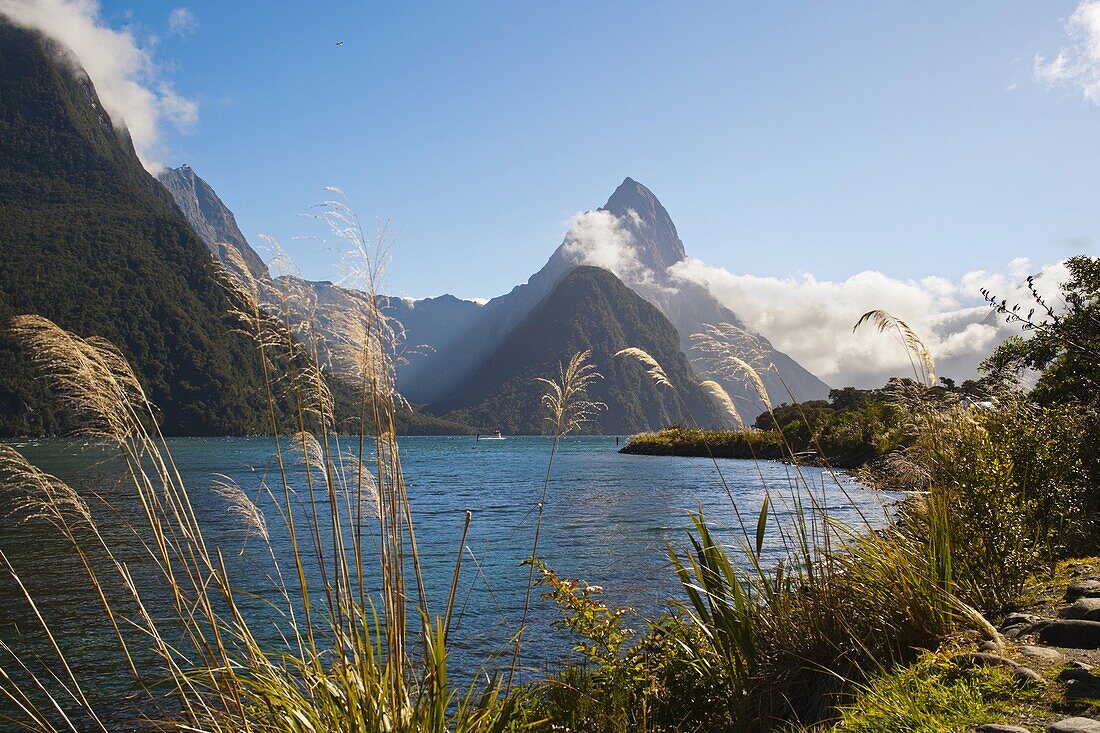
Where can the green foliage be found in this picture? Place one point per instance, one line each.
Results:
(853, 427)
(933, 695)
(790, 639)
(1064, 342)
(588, 310)
(626, 681)
(750, 648)
(808, 416)
(1063, 345)
(305, 696)
(1015, 491)
(602, 636)
(681, 441)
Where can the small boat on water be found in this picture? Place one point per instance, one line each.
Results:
(494, 436)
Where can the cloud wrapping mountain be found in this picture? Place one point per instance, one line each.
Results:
(125, 74)
(811, 319)
(600, 239)
(634, 237)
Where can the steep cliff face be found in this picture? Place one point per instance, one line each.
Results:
(91, 241)
(212, 221)
(428, 325)
(424, 324)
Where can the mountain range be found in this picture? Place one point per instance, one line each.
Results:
(476, 364)
(318, 300)
(584, 308)
(644, 247)
(92, 241)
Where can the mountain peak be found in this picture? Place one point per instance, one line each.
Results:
(211, 219)
(589, 308)
(658, 245)
(630, 195)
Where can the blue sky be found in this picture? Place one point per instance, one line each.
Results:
(784, 138)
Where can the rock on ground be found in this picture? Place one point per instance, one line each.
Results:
(1083, 608)
(1082, 588)
(1026, 674)
(1072, 634)
(1075, 725)
(984, 659)
(1041, 652)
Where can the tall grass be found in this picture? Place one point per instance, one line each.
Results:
(567, 409)
(351, 658)
(764, 644)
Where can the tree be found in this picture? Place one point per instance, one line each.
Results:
(1064, 346)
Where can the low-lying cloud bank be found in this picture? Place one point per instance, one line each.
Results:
(811, 319)
(125, 73)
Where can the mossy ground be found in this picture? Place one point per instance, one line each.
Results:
(937, 694)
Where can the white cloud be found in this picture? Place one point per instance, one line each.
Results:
(599, 239)
(124, 73)
(811, 319)
(1077, 65)
(182, 22)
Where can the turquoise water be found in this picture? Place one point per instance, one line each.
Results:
(607, 519)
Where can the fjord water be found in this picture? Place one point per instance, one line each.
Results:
(607, 519)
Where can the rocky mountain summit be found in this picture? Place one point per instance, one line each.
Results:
(212, 221)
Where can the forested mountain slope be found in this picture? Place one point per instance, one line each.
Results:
(588, 309)
(91, 241)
